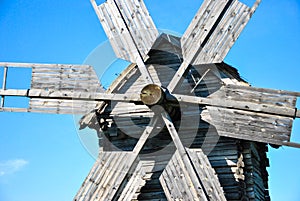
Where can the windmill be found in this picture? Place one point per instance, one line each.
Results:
(282, 108)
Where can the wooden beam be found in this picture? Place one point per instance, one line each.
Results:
(265, 90)
(200, 189)
(187, 166)
(291, 144)
(241, 105)
(63, 94)
(31, 65)
(9, 109)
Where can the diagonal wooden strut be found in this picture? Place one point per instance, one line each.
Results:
(200, 189)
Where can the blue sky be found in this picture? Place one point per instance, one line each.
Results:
(41, 156)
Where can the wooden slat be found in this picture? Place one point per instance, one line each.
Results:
(135, 181)
(207, 174)
(214, 30)
(265, 90)
(188, 167)
(248, 99)
(250, 125)
(58, 106)
(177, 182)
(212, 33)
(38, 65)
(115, 175)
(130, 30)
(9, 109)
(201, 27)
(128, 26)
(101, 178)
(80, 78)
(225, 34)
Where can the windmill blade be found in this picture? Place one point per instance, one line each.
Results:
(212, 33)
(249, 113)
(189, 173)
(214, 30)
(112, 171)
(129, 28)
(59, 88)
(175, 181)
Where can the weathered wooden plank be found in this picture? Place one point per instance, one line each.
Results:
(246, 106)
(57, 111)
(248, 99)
(134, 183)
(62, 94)
(265, 90)
(188, 166)
(221, 33)
(211, 15)
(80, 78)
(80, 75)
(115, 175)
(201, 27)
(225, 35)
(98, 182)
(250, 125)
(37, 65)
(130, 30)
(128, 26)
(177, 182)
(258, 95)
(9, 109)
(207, 174)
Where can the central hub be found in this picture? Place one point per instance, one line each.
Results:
(152, 94)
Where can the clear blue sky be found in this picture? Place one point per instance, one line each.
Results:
(41, 156)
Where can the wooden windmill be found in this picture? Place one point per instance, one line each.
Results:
(203, 130)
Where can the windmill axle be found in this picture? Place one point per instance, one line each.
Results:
(152, 94)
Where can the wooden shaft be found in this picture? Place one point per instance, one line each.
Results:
(63, 94)
(152, 94)
(241, 105)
